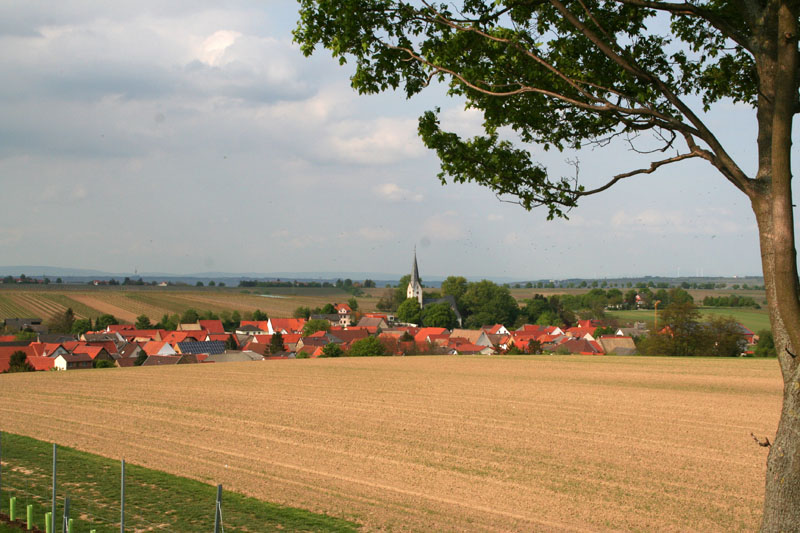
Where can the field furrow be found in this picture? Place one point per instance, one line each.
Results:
(439, 443)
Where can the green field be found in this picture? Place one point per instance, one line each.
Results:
(755, 319)
(153, 500)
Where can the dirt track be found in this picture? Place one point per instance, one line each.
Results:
(426, 443)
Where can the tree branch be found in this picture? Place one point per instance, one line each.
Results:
(655, 165)
(686, 8)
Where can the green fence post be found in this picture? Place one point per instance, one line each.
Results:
(69, 525)
(12, 503)
(30, 517)
(48, 525)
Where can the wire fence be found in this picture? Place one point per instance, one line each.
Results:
(76, 492)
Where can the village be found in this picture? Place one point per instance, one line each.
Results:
(206, 341)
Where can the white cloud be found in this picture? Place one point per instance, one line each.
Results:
(377, 141)
(378, 233)
(445, 226)
(394, 193)
(494, 217)
(214, 47)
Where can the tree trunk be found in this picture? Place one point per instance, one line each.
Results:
(782, 490)
(771, 197)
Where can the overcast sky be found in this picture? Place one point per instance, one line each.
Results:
(181, 137)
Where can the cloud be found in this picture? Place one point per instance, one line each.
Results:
(215, 46)
(379, 233)
(393, 193)
(445, 226)
(378, 141)
(494, 218)
(694, 222)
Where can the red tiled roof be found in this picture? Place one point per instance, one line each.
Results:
(223, 337)
(153, 347)
(5, 355)
(214, 327)
(41, 363)
(422, 334)
(290, 325)
(260, 324)
(108, 345)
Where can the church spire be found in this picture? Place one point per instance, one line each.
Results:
(414, 286)
(415, 270)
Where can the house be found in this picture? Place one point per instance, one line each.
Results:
(345, 314)
(234, 357)
(581, 333)
(471, 335)
(286, 325)
(72, 361)
(422, 337)
(41, 363)
(580, 346)
(181, 359)
(96, 353)
(47, 349)
(7, 351)
(617, 345)
(130, 350)
(373, 324)
(158, 348)
(348, 337)
(333, 318)
(193, 347)
(497, 329)
(213, 327)
(20, 324)
(473, 349)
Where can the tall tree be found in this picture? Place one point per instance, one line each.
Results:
(143, 322)
(571, 73)
(276, 343)
(103, 321)
(18, 362)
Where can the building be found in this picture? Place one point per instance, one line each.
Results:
(414, 286)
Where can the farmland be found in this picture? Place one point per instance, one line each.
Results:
(126, 303)
(755, 319)
(438, 443)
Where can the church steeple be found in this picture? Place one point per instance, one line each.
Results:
(414, 286)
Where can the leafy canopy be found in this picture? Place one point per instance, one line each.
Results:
(559, 73)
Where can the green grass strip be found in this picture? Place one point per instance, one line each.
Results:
(154, 501)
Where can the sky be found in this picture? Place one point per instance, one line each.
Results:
(182, 137)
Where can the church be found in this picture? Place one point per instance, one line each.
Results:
(415, 291)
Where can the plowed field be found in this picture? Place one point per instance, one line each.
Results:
(438, 443)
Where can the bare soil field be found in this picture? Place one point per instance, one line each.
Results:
(438, 443)
(127, 303)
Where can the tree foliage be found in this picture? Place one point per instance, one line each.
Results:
(276, 343)
(366, 347)
(314, 325)
(439, 315)
(143, 322)
(409, 312)
(81, 326)
(103, 321)
(332, 350)
(18, 362)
